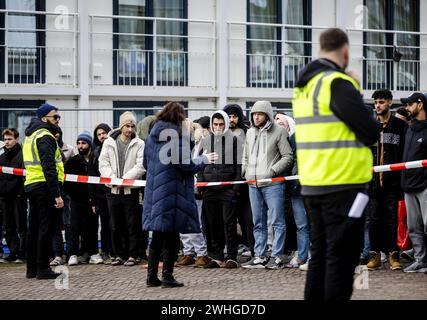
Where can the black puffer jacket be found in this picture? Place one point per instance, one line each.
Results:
(391, 143)
(11, 185)
(96, 191)
(415, 180)
(46, 146)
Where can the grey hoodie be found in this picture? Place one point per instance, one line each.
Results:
(267, 152)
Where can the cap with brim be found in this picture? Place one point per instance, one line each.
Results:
(415, 97)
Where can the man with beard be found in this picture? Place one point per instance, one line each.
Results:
(334, 131)
(385, 186)
(243, 207)
(84, 222)
(13, 198)
(219, 201)
(45, 175)
(414, 181)
(97, 192)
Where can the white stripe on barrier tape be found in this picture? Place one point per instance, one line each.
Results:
(141, 183)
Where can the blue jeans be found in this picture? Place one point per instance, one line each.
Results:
(269, 198)
(303, 237)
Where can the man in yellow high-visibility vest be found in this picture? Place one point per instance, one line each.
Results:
(45, 175)
(333, 132)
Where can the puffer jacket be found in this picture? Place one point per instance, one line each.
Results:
(267, 152)
(109, 160)
(169, 201)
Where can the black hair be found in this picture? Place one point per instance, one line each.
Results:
(382, 94)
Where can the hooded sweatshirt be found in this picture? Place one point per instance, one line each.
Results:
(348, 106)
(237, 110)
(46, 146)
(96, 191)
(267, 152)
(228, 167)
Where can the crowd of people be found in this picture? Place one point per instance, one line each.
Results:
(265, 223)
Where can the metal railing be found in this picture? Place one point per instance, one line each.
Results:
(395, 64)
(41, 50)
(156, 58)
(277, 60)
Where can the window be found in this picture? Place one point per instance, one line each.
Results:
(271, 47)
(147, 51)
(382, 66)
(25, 49)
(16, 114)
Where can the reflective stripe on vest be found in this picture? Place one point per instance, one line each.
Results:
(327, 149)
(32, 161)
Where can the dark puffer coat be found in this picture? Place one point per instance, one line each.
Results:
(169, 202)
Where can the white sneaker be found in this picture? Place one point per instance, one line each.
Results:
(304, 267)
(73, 261)
(56, 262)
(96, 259)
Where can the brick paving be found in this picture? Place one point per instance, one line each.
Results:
(106, 282)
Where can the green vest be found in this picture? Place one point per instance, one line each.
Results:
(327, 149)
(32, 159)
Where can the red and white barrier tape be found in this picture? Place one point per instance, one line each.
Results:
(141, 183)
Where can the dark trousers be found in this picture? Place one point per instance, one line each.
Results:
(40, 228)
(291, 228)
(382, 221)
(337, 241)
(244, 217)
(165, 244)
(84, 228)
(125, 231)
(15, 224)
(57, 239)
(104, 214)
(221, 220)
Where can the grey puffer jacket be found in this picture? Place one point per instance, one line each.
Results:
(267, 152)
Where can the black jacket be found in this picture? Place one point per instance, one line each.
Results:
(230, 160)
(392, 142)
(77, 191)
(415, 180)
(347, 105)
(11, 185)
(46, 146)
(96, 191)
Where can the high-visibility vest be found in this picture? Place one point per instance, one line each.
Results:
(32, 161)
(327, 149)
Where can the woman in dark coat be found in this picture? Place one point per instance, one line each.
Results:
(169, 203)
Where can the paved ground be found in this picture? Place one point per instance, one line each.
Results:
(117, 283)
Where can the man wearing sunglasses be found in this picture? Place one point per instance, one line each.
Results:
(414, 181)
(45, 175)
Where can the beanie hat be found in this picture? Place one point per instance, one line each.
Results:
(44, 109)
(126, 118)
(86, 137)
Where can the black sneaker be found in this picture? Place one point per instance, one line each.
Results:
(10, 258)
(47, 274)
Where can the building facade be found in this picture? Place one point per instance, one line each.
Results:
(94, 59)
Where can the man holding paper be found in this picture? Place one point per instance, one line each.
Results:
(333, 132)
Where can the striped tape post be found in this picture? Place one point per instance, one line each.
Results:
(141, 183)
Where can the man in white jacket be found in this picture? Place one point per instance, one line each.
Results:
(122, 157)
